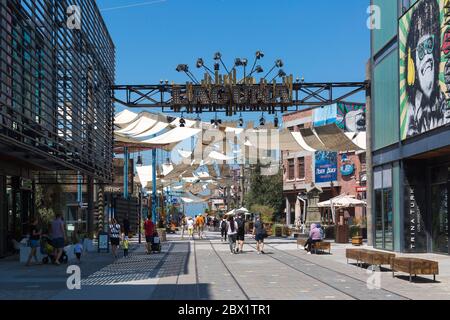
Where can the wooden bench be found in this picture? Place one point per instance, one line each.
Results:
(370, 257)
(415, 266)
(354, 254)
(318, 246)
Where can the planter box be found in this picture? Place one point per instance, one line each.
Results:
(357, 241)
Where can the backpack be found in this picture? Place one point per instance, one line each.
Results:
(224, 225)
(240, 224)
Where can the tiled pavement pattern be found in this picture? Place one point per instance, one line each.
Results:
(205, 270)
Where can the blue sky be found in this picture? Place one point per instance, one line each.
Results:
(322, 41)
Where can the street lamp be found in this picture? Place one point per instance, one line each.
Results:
(185, 68)
(278, 64)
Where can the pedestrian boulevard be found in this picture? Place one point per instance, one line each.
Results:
(205, 270)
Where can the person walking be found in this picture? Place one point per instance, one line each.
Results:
(126, 226)
(260, 233)
(125, 245)
(232, 229)
(223, 229)
(35, 236)
(200, 223)
(183, 226)
(240, 233)
(58, 237)
(149, 229)
(190, 227)
(114, 234)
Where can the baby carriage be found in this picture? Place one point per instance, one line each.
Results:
(156, 243)
(47, 250)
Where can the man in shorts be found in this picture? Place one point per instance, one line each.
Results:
(240, 233)
(259, 233)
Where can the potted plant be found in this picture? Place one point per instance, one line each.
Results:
(357, 239)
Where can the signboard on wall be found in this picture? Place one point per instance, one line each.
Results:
(424, 53)
(415, 235)
(326, 166)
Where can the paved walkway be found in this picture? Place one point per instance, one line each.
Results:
(205, 270)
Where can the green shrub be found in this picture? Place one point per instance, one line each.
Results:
(355, 231)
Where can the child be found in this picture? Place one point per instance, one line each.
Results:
(125, 244)
(156, 242)
(78, 250)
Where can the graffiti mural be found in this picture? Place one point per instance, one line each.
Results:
(424, 52)
(351, 117)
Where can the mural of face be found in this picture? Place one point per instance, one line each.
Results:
(425, 64)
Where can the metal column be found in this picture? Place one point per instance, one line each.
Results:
(126, 158)
(154, 191)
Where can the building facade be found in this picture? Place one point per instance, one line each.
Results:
(57, 66)
(335, 173)
(410, 119)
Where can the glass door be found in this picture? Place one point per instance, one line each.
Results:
(439, 225)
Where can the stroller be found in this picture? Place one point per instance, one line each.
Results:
(47, 250)
(156, 243)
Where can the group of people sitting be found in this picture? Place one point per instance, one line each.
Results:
(316, 234)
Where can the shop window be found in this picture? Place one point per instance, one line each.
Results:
(383, 208)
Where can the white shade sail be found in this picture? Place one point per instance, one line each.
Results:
(173, 136)
(358, 138)
(190, 198)
(219, 156)
(144, 174)
(166, 169)
(184, 154)
(125, 117)
(299, 138)
(157, 128)
(141, 125)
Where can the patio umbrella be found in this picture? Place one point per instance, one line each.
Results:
(342, 201)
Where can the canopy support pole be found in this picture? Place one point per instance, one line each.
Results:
(126, 157)
(154, 191)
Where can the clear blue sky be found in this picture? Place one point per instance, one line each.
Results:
(323, 41)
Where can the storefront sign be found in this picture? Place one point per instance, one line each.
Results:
(347, 168)
(326, 166)
(424, 67)
(415, 235)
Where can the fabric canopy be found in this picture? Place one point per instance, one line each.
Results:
(335, 139)
(124, 117)
(190, 198)
(141, 125)
(157, 128)
(219, 156)
(145, 174)
(173, 136)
